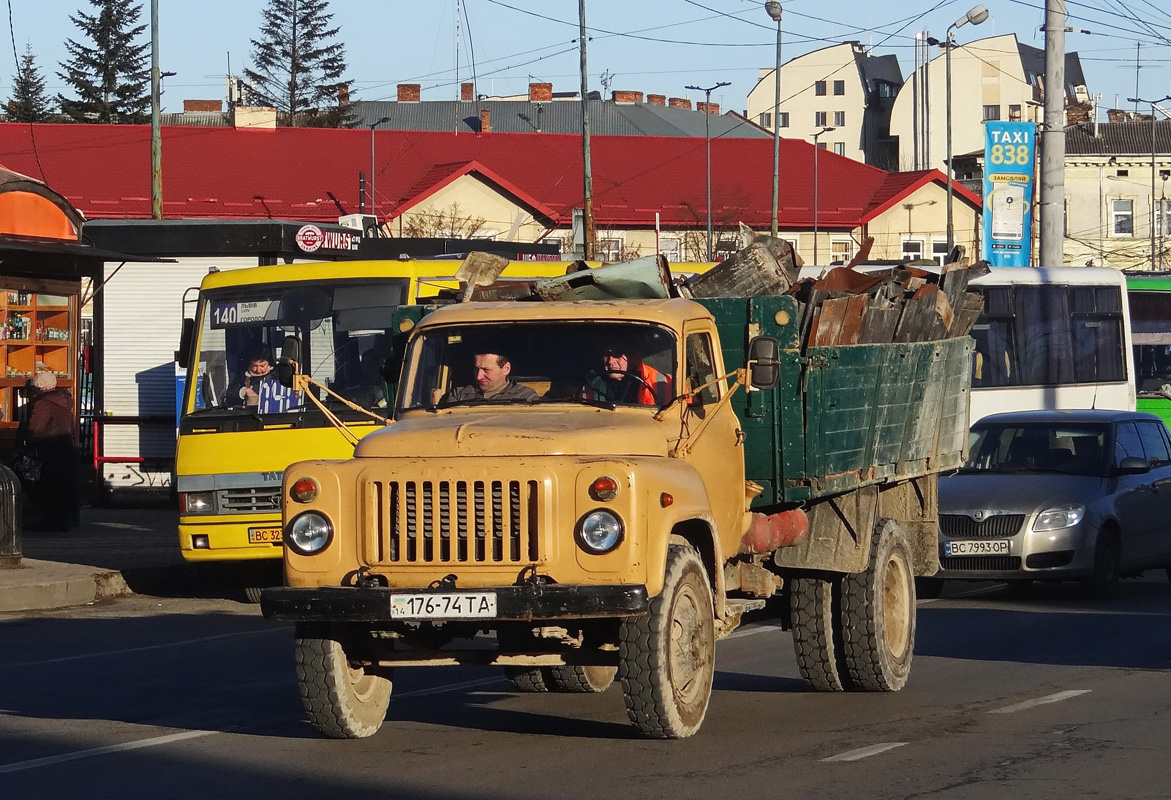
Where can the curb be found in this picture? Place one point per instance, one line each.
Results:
(46, 585)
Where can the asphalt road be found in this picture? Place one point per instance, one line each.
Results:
(1039, 695)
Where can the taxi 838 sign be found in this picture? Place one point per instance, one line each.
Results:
(1009, 158)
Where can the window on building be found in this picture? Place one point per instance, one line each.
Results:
(839, 87)
(766, 120)
(1014, 113)
(672, 248)
(819, 118)
(608, 250)
(782, 119)
(819, 88)
(912, 250)
(822, 146)
(991, 113)
(841, 251)
(840, 148)
(839, 119)
(1163, 217)
(1121, 217)
(939, 252)
(1123, 173)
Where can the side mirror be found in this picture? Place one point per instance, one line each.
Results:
(1132, 465)
(290, 361)
(186, 339)
(764, 362)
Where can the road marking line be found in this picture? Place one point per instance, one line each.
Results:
(865, 752)
(143, 649)
(20, 766)
(755, 629)
(1040, 701)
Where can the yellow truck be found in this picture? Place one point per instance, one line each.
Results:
(604, 518)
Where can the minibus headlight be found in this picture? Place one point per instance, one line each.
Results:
(198, 502)
(600, 531)
(308, 533)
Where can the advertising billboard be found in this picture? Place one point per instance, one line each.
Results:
(1010, 151)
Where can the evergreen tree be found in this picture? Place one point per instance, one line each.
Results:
(29, 103)
(296, 68)
(111, 77)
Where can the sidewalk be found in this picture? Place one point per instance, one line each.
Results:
(111, 550)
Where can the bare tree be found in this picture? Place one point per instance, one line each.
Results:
(448, 222)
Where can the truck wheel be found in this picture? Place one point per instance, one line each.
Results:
(668, 657)
(342, 701)
(817, 636)
(581, 679)
(878, 614)
(252, 594)
(527, 679)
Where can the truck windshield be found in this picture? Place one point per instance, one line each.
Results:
(344, 330)
(583, 362)
(1071, 449)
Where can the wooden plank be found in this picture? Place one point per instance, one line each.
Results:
(855, 317)
(829, 325)
(966, 315)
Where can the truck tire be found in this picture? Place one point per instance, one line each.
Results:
(817, 633)
(527, 679)
(581, 679)
(342, 701)
(667, 657)
(878, 614)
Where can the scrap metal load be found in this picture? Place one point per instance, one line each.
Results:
(843, 306)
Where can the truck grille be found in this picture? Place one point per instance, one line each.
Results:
(961, 525)
(243, 501)
(457, 522)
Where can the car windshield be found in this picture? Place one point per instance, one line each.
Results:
(1068, 449)
(595, 363)
(344, 331)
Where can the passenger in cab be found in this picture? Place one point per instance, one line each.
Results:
(492, 381)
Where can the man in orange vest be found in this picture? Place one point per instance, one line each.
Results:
(626, 378)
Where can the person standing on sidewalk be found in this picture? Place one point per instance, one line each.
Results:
(50, 431)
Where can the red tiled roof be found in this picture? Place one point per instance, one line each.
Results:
(312, 174)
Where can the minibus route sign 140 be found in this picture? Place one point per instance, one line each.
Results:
(225, 315)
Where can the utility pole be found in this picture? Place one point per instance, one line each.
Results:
(587, 173)
(156, 137)
(1053, 139)
(1154, 107)
(707, 137)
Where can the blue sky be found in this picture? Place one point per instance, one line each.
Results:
(707, 41)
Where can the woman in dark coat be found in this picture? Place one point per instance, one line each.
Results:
(50, 431)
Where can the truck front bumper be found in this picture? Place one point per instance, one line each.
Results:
(529, 602)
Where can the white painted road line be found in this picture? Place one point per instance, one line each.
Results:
(766, 627)
(865, 752)
(1040, 701)
(20, 766)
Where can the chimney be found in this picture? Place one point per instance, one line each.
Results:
(709, 108)
(467, 91)
(202, 105)
(485, 120)
(540, 92)
(409, 92)
(621, 96)
(679, 102)
(343, 96)
(1115, 115)
(657, 99)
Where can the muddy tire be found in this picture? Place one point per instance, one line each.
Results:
(817, 634)
(1103, 582)
(668, 657)
(580, 679)
(527, 679)
(342, 701)
(878, 614)
(252, 594)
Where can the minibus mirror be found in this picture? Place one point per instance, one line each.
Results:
(764, 362)
(186, 338)
(289, 363)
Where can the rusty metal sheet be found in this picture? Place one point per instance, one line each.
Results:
(751, 272)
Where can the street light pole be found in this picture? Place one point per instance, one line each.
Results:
(371, 182)
(975, 16)
(707, 136)
(816, 207)
(773, 7)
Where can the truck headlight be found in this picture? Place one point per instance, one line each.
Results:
(599, 531)
(198, 502)
(308, 533)
(1052, 519)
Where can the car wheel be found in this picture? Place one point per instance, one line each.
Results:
(1102, 584)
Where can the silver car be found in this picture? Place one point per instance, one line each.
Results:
(1058, 495)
